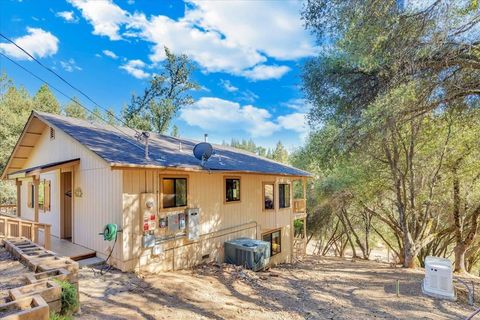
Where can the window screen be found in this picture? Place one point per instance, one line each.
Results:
(284, 195)
(174, 192)
(232, 192)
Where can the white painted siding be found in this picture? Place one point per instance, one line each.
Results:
(101, 202)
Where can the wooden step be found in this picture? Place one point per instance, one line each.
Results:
(84, 256)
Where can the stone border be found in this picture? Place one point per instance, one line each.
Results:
(46, 266)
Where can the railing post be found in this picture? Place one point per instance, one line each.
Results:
(33, 234)
(46, 235)
(5, 228)
(19, 198)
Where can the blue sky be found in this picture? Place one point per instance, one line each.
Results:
(248, 56)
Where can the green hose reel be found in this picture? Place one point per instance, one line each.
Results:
(110, 232)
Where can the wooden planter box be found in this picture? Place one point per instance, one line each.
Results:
(48, 290)
(57, 274)
(29, 308)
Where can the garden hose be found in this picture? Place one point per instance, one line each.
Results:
(110, 232)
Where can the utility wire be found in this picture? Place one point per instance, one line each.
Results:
(66, 82)
(70, 99)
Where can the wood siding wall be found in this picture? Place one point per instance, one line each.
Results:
(101, 200)
(205, 191)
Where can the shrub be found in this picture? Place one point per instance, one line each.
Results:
(69, 299)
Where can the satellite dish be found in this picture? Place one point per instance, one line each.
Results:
(203, 151)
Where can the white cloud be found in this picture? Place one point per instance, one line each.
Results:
(68, 16)
(228, 86)
(236, 37)
(248, 96)
(272, 28)
(135, 68)
(229, 116)
(105, 16)
(70, 65)
(38, 42)
(294, 121)
(212, 52)
(264, 72)
(298, 105)
(110, 54)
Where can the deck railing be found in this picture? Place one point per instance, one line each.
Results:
(12, 227)
(299, 205)
(8, 209)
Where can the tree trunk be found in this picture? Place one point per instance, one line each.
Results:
(460, 250)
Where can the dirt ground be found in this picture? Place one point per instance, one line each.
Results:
(316, 288)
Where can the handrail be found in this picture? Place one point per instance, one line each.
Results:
(10, 209)
(299, 205)
(13, 227)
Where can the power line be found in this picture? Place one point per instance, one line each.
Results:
(71, 99)
(65, 81)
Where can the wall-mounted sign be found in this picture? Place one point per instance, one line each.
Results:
(78, 192)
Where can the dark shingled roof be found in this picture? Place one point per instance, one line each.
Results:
(120, 148)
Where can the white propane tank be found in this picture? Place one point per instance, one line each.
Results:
(438, 280)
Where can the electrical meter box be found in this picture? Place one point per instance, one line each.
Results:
(193, 223)
(173, 222)
(148, 207)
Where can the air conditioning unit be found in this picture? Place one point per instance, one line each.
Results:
(438, 280)
(250, 253)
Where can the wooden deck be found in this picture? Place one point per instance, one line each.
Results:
(68, 249)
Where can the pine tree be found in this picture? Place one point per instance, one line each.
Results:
(75, 110)
(175, 132)
(44, 100)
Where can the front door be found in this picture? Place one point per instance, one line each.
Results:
(66, 198)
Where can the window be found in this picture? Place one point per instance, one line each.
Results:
(284, 195)
(41, 194)
(30, 195)
(275, 239)
(232, 189)
(268, 196)
(174, 192)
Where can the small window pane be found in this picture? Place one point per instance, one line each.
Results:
(268, 195)
(174, 192)
(168, 193)
(180, 192)
(284, 195)
(41, 194)
(276, 243)
(232, 189)
(275, 239)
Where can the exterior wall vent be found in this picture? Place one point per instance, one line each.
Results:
(52, 133)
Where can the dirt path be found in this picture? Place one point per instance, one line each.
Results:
(317, 288)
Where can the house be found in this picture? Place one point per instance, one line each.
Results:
(76, 176)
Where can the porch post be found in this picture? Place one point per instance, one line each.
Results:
(36, 183)
(19, 197)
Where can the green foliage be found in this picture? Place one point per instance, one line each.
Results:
(74, 109)
(16, 106)
(69, 298)
(166, 94)
(175, 132)
(44, 100)
(56, 316)
(395, 107)
(278, 154)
